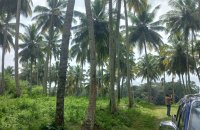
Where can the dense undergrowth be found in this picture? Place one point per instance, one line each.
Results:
(27, 113)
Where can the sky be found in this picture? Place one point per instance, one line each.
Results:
(79, 5)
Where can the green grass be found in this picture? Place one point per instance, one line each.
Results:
(38, 113)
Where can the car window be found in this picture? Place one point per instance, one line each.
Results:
(194, 123)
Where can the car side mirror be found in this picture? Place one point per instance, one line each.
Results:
(167, 125)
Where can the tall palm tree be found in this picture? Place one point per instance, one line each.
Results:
(165, 52)
(112, 50)
(137, 6)
(118, 8)
(153, 64)
(90, 116)
(23, 7)
(47, 19)
(127, 57)
(177, 63)
(74, 71)
(52, 47)
(182, 19)
(80, 44)
(144, 66)
(31, 47)
(59, 117)
(144, 33)
(6, 41)
(20, 4)
(16, 48)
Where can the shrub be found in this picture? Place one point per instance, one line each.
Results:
(10, 86)
(37, 91)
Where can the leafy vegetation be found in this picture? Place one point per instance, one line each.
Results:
(37, 113)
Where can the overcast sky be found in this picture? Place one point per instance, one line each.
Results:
(79, 5)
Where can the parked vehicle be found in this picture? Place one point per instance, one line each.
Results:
(187, 117)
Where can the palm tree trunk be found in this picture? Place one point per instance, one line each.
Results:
(18, 93)
(50, 75)
(148, 80)
(37, 78)
(59, 118)
(186, 82)
(31, 76)
(99, 80)
(81, 75)
(187, 62)
(118, 87)
(2, 87)
(46, 69)
(122, 87)
(46, 74)
(89, 123)
(102, 79)
(183, 84)
(76, 87)
(130, 95)
(118, 48)
(113, 107)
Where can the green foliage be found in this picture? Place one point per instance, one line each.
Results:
(38, 113)
(37, 91)
(10, 86)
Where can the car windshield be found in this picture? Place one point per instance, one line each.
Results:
(195, 116)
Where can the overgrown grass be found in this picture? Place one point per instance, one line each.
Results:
(38, 113)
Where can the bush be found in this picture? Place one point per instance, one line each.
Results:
(37, 91)
(11, 88)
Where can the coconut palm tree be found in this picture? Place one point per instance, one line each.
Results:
(89, 122)
(53, 48)
(80, 44)
(31, 47)
(153, 65)
(127, 62)
(18, 93)
(19, 7)
(75, 71)
(144, 66)
(165, 52)
(112, 50)
(6, 41)
(59, 117)
(144, 33)
(48, 19)
(182, 19)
